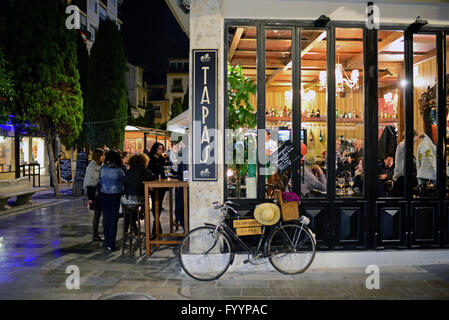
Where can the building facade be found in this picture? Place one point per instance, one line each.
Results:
(344, 87)
(177, 80)
(93, 11)
(137, 90)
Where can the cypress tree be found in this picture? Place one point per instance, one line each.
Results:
(43, 54)
(107, 98)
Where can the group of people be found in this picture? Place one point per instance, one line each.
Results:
(114, 178)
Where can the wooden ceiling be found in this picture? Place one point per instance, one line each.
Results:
(349, 49)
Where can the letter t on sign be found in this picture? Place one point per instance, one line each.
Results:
(205, 69)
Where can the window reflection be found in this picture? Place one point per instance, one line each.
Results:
(425, 124)
(278, 107)
(391, 144)
(241, 131)
(349, 112)
(314, 113)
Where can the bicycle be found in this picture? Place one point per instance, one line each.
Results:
(206, 252)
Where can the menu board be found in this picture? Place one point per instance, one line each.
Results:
(285, 156)
(65, 170)
(81, 165)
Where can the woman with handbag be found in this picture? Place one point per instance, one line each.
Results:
(90, 184)
(112, 178)
(134, 192)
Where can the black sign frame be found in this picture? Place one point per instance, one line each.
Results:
(62, 178)
(201, 90)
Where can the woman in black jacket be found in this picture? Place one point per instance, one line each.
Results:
(156, 166)
(134, 188)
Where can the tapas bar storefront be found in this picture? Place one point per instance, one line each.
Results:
(365, 108)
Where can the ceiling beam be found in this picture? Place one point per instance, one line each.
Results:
(311, 45)
(356, 62)
(235, 42)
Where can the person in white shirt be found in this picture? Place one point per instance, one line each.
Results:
(270, 145)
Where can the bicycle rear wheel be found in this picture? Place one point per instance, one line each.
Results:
(205, 254)
(291, 248)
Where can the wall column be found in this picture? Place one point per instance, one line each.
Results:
(206, 32)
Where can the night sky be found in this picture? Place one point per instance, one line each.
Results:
(152, 35)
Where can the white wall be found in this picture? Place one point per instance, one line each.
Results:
(206, 32)
(390, 12)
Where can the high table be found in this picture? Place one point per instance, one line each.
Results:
(169, 184)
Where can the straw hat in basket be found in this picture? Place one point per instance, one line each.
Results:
(267, 214)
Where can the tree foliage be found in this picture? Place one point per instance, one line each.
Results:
(176, 109)
(83, 70)
(43, 56)
(241, 113)
(7, 92)
(107, 97)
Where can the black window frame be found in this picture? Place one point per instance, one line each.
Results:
(370, 53)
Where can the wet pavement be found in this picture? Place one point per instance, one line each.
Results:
(39, 246)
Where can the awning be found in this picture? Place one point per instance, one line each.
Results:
(153, 131)
(180, 123)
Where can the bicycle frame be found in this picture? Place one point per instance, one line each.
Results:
(234, 238)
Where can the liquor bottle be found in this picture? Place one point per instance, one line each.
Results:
(345, 115)
(318, 113)
(313, 113)
(349, 115)
(321, 137)
(307, 114)
(284, 112)
(354, 114)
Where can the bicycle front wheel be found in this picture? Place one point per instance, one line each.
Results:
(205, 254)
(291, 248)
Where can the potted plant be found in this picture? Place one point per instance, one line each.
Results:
(241, 115)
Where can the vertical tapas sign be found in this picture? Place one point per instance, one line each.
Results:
(204, 115)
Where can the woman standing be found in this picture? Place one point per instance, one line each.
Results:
(111, 181)
(156, 166)
(90, 184)
(134, 187)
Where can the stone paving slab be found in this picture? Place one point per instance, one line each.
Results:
(36, 248)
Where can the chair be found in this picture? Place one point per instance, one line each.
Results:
(289, 210)
(132, 234)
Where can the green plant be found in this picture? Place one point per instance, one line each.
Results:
(241, 114)
(44, 60)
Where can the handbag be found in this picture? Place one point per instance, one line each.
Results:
(131, 200)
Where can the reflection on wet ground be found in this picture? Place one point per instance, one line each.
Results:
(36, 248)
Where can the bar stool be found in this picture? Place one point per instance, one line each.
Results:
(132, 234)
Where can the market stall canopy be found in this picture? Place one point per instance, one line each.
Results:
(153, 131)
(180, 123)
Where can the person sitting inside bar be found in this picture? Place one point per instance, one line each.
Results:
(385, 171)
(313, 179)
(354, 159)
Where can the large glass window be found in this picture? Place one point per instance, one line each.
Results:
(447, 116)
(391, 152)
(349, 111)
(278, 106)
(6, 153)
(241, 130)
(424, 114)
(313, 57)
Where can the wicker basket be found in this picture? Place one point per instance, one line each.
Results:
(289, 210)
